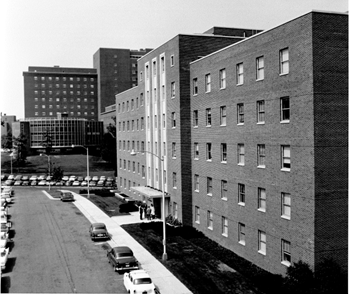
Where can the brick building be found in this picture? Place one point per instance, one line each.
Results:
(269, 143)
(49, 91)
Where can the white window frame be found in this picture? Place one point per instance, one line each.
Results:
(196, 151)
(224, 152)
(241, 233)
(197, 214)
(173, 89)
(286, 257)
(286, 206)
(224, 190)
(210, 220)
(224, 226)
(174, 150)
(195, 86)
(261, 155)
(260, 112)
(241, 154)
(209, 151)
(195, 118)
(196, 182)
(284, 66)
(209, 186)
(262, 242)
(208, 83)
(240, 114)
(241, 194)
(208, 117)
(285, 111)
(286, 158)
(223, 116)
(222, 79)
(262, 199)
(260, 68)
(240, 74)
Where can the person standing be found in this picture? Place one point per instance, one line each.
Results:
(141, 212)
(152, 211)
(148, 212)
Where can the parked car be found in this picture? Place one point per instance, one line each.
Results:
(95, 178)
(4, 257)
(109, 183)
(4, 239)
(121, 258)
(11, 177)
(83, 183)
(76, 183)
(42, 182)
(109, 178)
(52, 182)
(88, 178)
(25, 182)
(102, 178)
(9, 182)
(67, 196)
(18, 182)
(5, 225)
(65, 178)
(80, 178)
(33, 178)
(138, 281)
(93, 183)
(98, 231)
(34, 182)
(59, 183)
(42, 177)
(72, 178)
(100, 183)
(49, 178)
(68, 183)
(25, 177)
(8, 190)
(3, 177)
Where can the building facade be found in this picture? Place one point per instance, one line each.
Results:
(117, 72)
(269, 144)
(7, 123)
(49, 91)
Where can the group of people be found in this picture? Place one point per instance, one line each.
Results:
(148, 211)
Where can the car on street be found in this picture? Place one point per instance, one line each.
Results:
(25, 182)
(25, 177)
(93, 183)
(72, 178)
(88, 178)
(84, 183)
(5, 226)
(49, 178)
(18, 182)
(80, 178)
(76, 183)
(59, 183)
(3, 177)
(42, 177)
(65, 178)
(34, 182)
(7, 197)
(100, 183)
(42, 182)
(11, 177)
(108, 183)
(121, 258)
(4, 239)
(4, 257)
(7, 189)
(18, 177)
(67, 196)
(33, 178)
(98, 231)
(138, 281)
(9, 182)
(95, 178)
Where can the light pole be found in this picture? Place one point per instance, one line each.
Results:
(88, 169)
(11, 155)
(164, 254)
(49, 168)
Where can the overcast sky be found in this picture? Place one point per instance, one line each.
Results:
(68, 32)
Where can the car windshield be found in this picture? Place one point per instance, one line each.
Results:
(142, 281)
(100, 227)
(124, 254)
(3, 254)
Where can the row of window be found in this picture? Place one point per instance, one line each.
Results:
(241, 236)
(78, 79)
(259, 70)
(131, 105)
(43, 85)
(132, 125)
(285, 113)
(261, 155)
(64, 92)
(64, 99)
(71, 113)
(65, 106)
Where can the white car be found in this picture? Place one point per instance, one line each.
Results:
(8, 190)
(3, 240)
(7, 197)
(4, 257)
(42, 182)
(33, 178)
(76, 183)
(72, 178)
(138, 281)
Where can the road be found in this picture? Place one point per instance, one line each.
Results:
(51, 251)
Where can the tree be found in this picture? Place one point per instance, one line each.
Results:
(57, 173)
(299, 278)
(47, 142)
(108, 145)
(20, 153)
(6, 141)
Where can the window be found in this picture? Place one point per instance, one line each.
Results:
(173, 89)
(261, 155)
(241, 194)
(260, 111)
(240, 113)
(224, 189)
(284, 61)
(174, 179)
(197, 214)
(195, 86)
(141, 98)
(286, 157)
(173, 119)
(209, 186)
(223, 118)
(241, 154)
(223, 152)
(222, 77)
(262, 199)
(196, 151)
(260, 68)
(208, 151)
(209, 220)
(285, 252)
(285, 109)
(240, 74)
(262, 242)
(196, 183)
(172, 60)
(241, 233)
(174, 152)
(208, 83)
(224, 226)
(143, 171)
(208, 117)
(195, 118)
(286, 205)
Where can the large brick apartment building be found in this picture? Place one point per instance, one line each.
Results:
(252, 135)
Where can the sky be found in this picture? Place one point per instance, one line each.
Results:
(68, 32)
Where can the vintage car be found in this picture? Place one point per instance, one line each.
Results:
(121, 258)
(138, 281)
(67, 196)
(98, 231)
(4, 239)
(4, 257)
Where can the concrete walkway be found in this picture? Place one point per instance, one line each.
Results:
(166, 282)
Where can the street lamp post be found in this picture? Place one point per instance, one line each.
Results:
(88, 169)
(11, 155)
(49, 168)
(164, 254)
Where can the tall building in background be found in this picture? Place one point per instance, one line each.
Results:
(117, 72)
(50, 91)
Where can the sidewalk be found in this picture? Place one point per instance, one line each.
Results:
(166, 282)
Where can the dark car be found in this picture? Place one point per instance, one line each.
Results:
(67, 196)
(121, 258)
(98, 231)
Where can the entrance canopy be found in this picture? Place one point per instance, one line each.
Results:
(148, 192)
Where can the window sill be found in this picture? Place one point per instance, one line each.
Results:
(261, 252)
(196, 159)
(260, 79)
(222, 88)
(285, 121)
(209, 160)
(225, 235)
(208, 125)
(197, 222)
(260, 123)
(286, 217)
(239, 84)
(283, 74)
(224, 199)
(286, 263)
(286, 169)
(261, 210)
(196, 190)
(210, 195)
(261, 166)
(242, 243)
(210, 228)
(223, 125)
(195, 126)
(241, 204)
(224, 162)
(241, 124)
(239, 164)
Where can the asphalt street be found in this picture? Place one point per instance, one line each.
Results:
(51, 251)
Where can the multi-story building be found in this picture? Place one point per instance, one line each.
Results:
(117, 72)
(252, 136)
(155, 117)
(49, 91)
(6, 123)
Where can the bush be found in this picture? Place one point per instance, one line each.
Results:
(99, 192)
